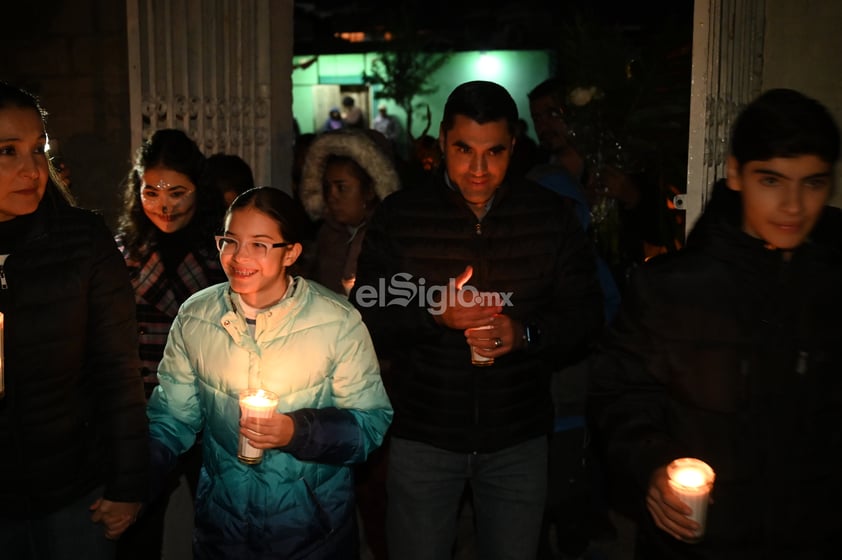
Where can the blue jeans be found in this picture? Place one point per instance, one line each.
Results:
(66, 534)
(425, 483)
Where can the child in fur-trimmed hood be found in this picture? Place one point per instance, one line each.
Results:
(345, 175)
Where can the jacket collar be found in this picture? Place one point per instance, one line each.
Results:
(719, 232)
(267, 320)
(452, 193)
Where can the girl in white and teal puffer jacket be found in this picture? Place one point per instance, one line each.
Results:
(266, 330)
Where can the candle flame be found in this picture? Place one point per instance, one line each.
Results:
(259, 399)
(690, 477)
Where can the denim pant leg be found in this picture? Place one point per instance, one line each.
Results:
(17, 541)
(423, 489)
(509, 492)
(67, 534)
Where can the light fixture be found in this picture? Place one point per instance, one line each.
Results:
(488, 65)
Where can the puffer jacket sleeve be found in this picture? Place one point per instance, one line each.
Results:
(627, 397)
(174, 409)
(355, 426)
(574, 316)
(113, 370)
(379, 259)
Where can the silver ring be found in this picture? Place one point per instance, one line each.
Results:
(498, 342)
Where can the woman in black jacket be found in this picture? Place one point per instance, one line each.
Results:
(73, 431)
(729, 352)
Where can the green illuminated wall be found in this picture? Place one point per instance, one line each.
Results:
(517, 71)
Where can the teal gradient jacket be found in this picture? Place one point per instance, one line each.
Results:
(311, 349)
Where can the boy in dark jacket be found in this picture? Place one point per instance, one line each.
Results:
(729, 352)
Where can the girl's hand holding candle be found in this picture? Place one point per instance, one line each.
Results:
(268, 433)
(257, 409)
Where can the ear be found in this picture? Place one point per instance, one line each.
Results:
(442, 137)
(732, 174)
(292, 254)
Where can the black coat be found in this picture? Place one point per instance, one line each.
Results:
(73, 417)
(529, 244)
(729, 353)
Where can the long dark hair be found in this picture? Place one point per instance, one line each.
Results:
(13, 96)
(169, 149)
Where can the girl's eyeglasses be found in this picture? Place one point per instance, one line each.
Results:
(256, 249)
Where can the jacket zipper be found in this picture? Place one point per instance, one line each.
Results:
(478, 232)
(801, 365)
(3, 284)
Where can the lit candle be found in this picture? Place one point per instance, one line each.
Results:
(2, 357)
(478, 359)
(692, 481)
(254, 403)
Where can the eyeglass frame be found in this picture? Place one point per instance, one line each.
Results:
(220, 238)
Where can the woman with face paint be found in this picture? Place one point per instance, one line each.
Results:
(170, 215)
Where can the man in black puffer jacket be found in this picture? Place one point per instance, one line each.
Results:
(474, 249)
(73, 431)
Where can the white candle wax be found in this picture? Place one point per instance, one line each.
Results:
(692, 481)
(477, 359)
(254, 404)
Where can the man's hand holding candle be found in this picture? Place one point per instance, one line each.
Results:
(497, 335)
(458, 310)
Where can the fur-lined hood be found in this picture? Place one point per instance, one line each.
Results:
(356, 145)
